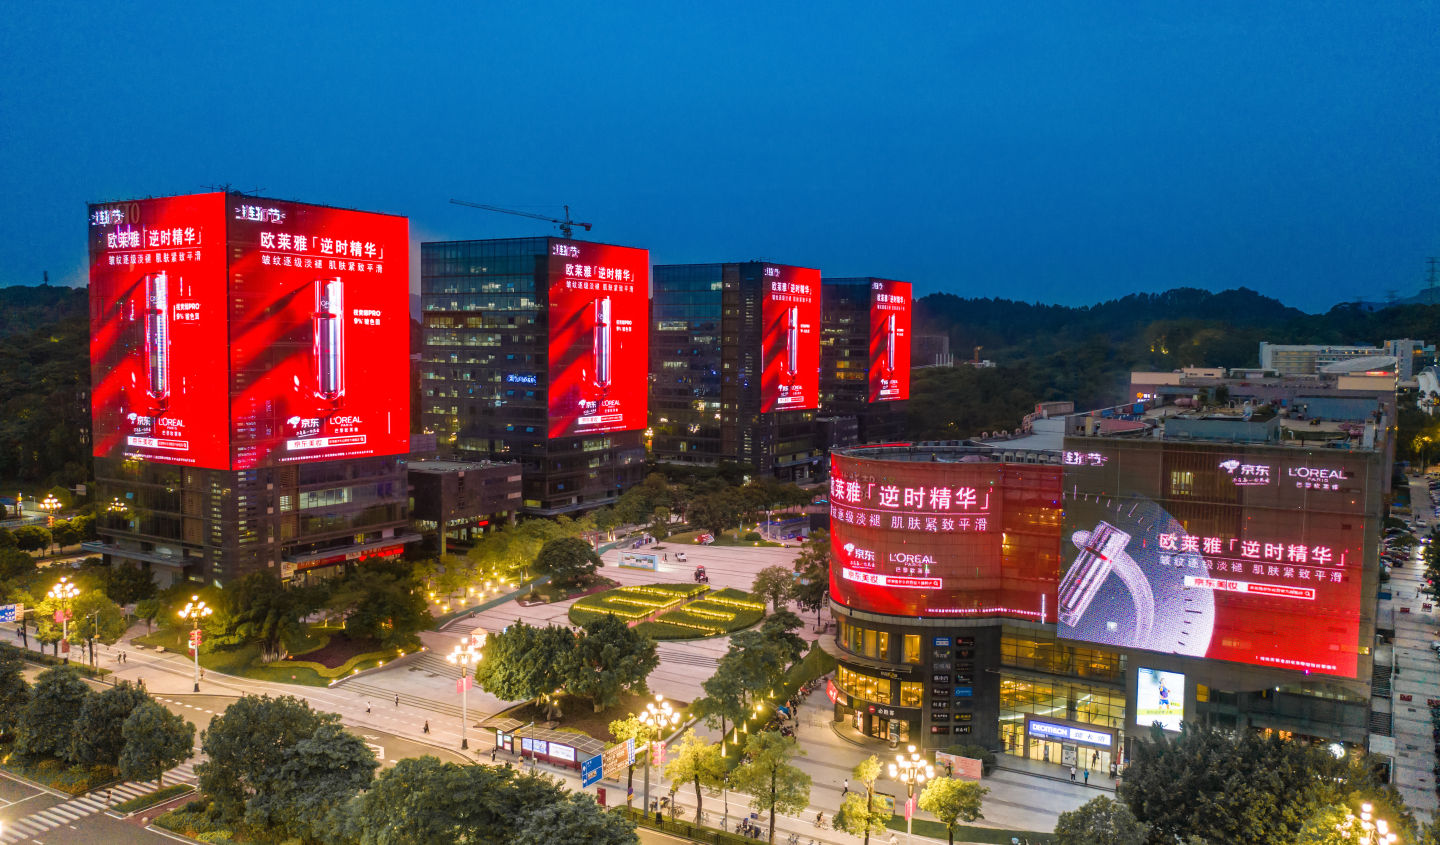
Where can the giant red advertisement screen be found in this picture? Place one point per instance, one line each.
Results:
(1210, 553)
(944, 538)
(157, 330)
(889, 340)
(599, 349)
(790, 343)
(319, 333)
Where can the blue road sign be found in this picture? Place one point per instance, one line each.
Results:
(591, 770)
(8, 612)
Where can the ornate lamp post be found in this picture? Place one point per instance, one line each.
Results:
(195, 610)
(1372, 831)
(657, 717)
(50, 505)
(910, 771)
(64, 592)
(464, 656)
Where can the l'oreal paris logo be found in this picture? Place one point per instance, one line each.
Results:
(1318, 473)
(907, 557)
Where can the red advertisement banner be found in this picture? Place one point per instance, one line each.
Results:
(599, 348)
(790, 350)
(889, 340)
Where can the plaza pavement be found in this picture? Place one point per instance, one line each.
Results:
(1416, 674)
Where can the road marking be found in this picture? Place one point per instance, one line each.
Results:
(378, 749)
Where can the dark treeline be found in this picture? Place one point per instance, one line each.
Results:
(44, 385)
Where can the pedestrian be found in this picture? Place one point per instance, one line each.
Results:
(427, 726)
(820, 819)
(397, 699)
(1072, 774)
(1112, 770)
(846, 789)
(492, 755)
(367, 713)
(1087, 777)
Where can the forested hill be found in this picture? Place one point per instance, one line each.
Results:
(44, 385)
(24, 308)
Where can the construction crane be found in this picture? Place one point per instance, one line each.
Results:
(566, 226)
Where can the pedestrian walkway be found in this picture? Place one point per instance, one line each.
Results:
(36, 824)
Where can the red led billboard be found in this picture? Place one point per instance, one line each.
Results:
(944, 538)
(790, 343)
(889, 340)
(231, 332)
(319, 333)
(157, 330)
(1206, 552)
(599, 348)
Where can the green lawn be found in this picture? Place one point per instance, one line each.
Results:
(728, 538)
(244, 660)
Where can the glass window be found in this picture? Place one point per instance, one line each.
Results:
(864, 686)
(912, 648)
(911, 693)
(882, 646)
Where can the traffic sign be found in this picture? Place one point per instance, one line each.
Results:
(11, 612)
(617, 758)
(591, 770)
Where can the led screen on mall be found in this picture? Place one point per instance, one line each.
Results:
(790, 342)
(1216, 554)
(1159, 698)
(944, 538)
(231, 332)
(889, 340)
(599, 313)
(158, 330)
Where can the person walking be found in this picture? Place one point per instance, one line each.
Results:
(397, 699)
(1087, 777)
(1072, 774)
(846, 790)
(427, 726)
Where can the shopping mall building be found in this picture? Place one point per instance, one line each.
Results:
(1051, 603)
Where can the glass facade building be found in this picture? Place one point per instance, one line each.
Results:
(484, 375)
(845, 364)
(705, 364)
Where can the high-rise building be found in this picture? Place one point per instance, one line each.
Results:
(865, 355)
(535, 350)
(250, 398)
(735, 363)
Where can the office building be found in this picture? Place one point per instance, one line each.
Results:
(535, 350)
(865, 356)
(735, 358)
(251, 391)
(465, 498)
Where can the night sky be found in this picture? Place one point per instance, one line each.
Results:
(1060, 152)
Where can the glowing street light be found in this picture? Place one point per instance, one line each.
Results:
(195, 610)
(465, 655)
(657, 716)
(1373, 831)
(910, 771)
(50, 505)
(64, 592)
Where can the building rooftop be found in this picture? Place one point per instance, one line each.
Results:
(952, 451)
(457, 466)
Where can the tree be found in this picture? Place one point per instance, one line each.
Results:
(1100, 821)
(812, 570)
(262, 610)
(574, 818)
(48, 722)
(32, 538)
(64, 533)
(609, 658)
(757, 662)
(523, 662)
(97, 617)
(627, 729)
(859, 815)
(715, 511)
(725, 698)
(14, 691)
(381, 600)
(774, 584)
(773, 783)
(320, 773)
(149, 609)
(779, 630)
(128, 583)
(99, 739)
(567, 560)
(155, 741)
(952, 801)
(698, 761)
(15, 564)
(1255, 789)
(246, 746)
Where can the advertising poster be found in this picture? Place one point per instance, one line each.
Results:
(790, 342)
(599, 311)
(889, 340)
(157, 330)
(639, 560)
(319, 333)
(1160, 699)
(912, 538)
(1265, 583)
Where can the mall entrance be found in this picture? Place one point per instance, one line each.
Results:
(884, 727)
(1086, 747)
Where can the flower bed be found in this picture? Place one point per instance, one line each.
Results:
(633, 603)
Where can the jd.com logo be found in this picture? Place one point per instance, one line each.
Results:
(1247, 475)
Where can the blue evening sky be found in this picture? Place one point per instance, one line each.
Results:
(1061, 152)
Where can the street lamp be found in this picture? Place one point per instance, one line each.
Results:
(1373, 831)
(464, 656)
(64, 592)
(657, 716)
(910, 771)
(50, 505)
(195, 610)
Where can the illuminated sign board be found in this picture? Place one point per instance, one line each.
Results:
(1207, 553)
(599, 347)
(230, 332)
(889, 373)
(790, 340)
(914, 538)
(1038, 729)
(1159, 698)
